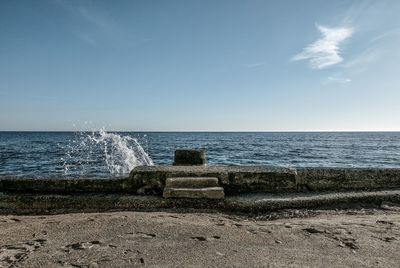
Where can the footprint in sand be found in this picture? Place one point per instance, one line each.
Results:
(11, 220)
(199, 238)
(385, 222)
(138, 235)
(12, 254)
(202, 238)
(337, 235)
(312, 230)
(83, 245)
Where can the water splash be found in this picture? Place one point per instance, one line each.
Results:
(122, 153)
(93, 152)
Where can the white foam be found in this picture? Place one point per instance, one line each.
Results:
(120, 153)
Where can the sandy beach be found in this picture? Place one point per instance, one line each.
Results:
(340, 238)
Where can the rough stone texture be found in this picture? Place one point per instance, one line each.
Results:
(197, 193)
(330, 179)
(190, 157)
(247, 179)
(256, 203)
(191, 182)
(63, 185)
(30, 203)
(234, 179)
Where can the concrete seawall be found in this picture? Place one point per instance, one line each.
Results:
(234, 180)
(64, 185)
(248, 179)
(252, 189)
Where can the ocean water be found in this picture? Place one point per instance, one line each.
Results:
(101, 154)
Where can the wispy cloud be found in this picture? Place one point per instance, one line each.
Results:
(336, 79)
(360, 61)
(386, 35)
(383, 46)
(325, 51)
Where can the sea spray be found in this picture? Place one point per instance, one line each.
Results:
(122, 153)
(116, 153)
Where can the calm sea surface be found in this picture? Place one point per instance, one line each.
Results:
(102, 154)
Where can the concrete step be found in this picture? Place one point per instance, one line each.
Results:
(191, 182)
(207, 192)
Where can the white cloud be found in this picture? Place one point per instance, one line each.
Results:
(338, 79)
(325, 51)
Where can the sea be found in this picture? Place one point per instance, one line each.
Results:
(101, 154)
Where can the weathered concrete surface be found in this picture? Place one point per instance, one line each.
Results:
(247, 179)
(191, 182)
(193, 187)
(190, 157)
(197, 193)
(330, 179)
(63, 185)
(355, 238)
(256, 203)
(234, 179)
(22, 203)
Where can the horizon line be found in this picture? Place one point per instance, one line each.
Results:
(212, 131)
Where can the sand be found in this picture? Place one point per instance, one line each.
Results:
(357, 238)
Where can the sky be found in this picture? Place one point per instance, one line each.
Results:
(207, 65)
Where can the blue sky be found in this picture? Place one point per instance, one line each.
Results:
(200, 65)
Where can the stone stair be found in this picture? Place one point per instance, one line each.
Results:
(193, 187)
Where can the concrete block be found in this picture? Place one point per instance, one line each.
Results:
(190, 157)
(191, 182)
(207, 193)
